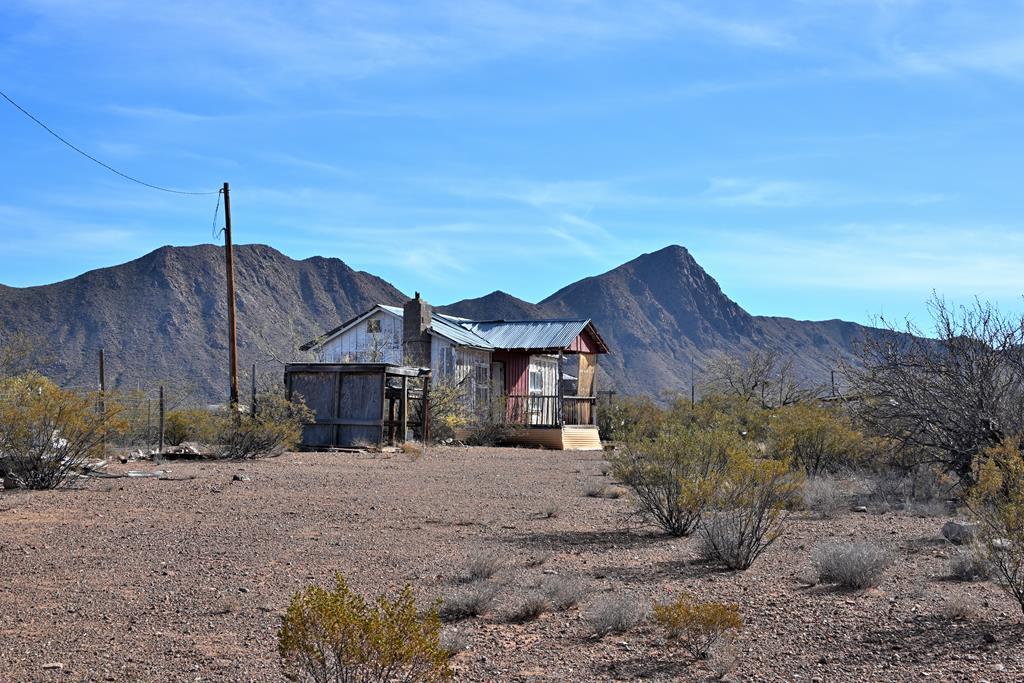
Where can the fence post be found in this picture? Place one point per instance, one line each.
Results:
(160, 447)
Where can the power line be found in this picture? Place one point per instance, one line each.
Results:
(94, 159)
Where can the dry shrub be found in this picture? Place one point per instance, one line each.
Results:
(275, 428)
(697, 626)
(563, 592)
(751, 504)
(997, 500)
(594, 489)
(851, 565)
(675, 476)
(531, 607)
(551, 510)
(47, 433)
(822, 496)
(454, 641)
(958, 608)
(970, 564)
(614, 614)
(335, 635)
(473, 601)
(481, 564)
(922, 489)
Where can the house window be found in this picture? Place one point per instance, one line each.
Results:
(373, 326)
(536, 381)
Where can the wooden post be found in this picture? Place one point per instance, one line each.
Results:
(383, 405)
(833, 384)
(229, 264)
(426, 410)
(560, 417)
(160, 443)
(252, 406)
(103, 398)
(403, 410)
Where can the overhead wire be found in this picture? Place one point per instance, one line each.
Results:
(95, 160)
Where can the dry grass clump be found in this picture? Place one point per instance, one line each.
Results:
(563, 592)
(473, 601)
(822, 496)
(958, 608)
(454, 641)
(971, 564)
(531, 607)
(851, 565)
(614, 614)
(481, 564)
(697, 626)
(551, 510)
(594, 489)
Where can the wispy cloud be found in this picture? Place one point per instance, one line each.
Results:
(781, 193)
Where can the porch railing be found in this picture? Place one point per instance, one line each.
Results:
(551, 411)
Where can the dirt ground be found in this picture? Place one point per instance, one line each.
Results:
(186, 579)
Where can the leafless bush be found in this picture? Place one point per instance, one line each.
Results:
(481, 564)
(551, 510)
(823, 496)
(594, 489)
(277, 427)
(454, 641)
(563, 592)
(970, 564)
(614, 614)
(922, 489)
(958, 608)
(725, 657)
(472, 601)
(851, 565)
(529, 609)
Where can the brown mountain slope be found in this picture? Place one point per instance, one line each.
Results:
(164, 315)
(495, 306)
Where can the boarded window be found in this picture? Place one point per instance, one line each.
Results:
(373, 326)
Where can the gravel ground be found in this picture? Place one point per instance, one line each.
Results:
(186, 579)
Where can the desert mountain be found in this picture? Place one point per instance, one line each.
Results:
(163, 316)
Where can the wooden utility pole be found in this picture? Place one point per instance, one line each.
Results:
(103, 384)
(160, 443)
(229, 261)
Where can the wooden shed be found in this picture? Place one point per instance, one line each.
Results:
(360, 404)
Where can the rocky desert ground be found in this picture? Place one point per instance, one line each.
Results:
(185, 578)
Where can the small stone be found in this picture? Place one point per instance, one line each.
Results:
(860, 508)
(240, 477)
(53, 666)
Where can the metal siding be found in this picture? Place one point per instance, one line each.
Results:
(528, 334)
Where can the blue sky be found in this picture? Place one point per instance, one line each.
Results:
(820, 159)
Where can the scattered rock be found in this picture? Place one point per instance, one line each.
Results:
(959, 532)
(53, 666)
(860, 508)
(240, 477)
(1001, 544)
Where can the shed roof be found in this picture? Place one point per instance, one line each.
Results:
(531, 334)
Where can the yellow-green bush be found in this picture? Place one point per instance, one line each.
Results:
(46, 432)
(335, 635)
(275, 428)
(815, 439)
(750, 510)
(187, 424)
(676, 475)
(997, 500)
(697, 626)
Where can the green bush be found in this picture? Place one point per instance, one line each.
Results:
(46, 433)
(275, 428)
(815, 439)
(674, 476)
(188, 424)
(329, 636)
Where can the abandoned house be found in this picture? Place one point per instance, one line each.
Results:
(542, 373)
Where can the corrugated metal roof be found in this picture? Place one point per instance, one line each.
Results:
(449, 327)
(497, 334)
(528, 334)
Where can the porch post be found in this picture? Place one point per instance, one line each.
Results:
(561, 398)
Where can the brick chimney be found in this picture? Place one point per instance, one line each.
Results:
(416, 319)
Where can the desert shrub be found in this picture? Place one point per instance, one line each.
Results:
(448, 411)
(474, 600)
(47, 433)
(614, 614)
(630, 419)
(674, 477)
(851, 565)
(563, 592)
(594, 489)
(724, 411)
(187, 424)
(815, 439)
(275, 428)
(958, 608)
(529, 609)
(997, 500)
(697, 626)
(970, 564)
(335, 635)
(822, 496)
(481, 564)
(551, 510)
(750, 516)
(454, 641)
(920, 488)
